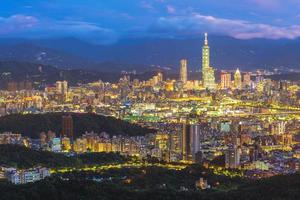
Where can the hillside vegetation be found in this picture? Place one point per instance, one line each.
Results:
(32, 125)
(23, 157)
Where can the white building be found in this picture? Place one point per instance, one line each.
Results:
(27, 176)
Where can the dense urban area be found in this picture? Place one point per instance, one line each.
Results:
(218, 136)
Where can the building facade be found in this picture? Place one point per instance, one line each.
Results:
(208, 74)
(183, 71)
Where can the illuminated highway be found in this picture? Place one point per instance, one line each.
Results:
(119, 166)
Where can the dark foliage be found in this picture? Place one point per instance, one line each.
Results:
(23, 157)
(279, 188)
(102, 158)
(32, 125)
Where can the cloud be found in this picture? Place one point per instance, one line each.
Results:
(171, 9)
(80, 29)
(147, 5)
(240, 29)
(31, 27)
(16, 23)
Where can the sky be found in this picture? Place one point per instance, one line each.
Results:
(107, 21)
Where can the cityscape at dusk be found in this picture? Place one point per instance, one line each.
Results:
(149, 99)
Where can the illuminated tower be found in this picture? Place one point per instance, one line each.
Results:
(183, 71)
(247, 79)
(225, 80)
(232, 157)
(160, 77)
(208, 75)
(62, 90)
(237, 79)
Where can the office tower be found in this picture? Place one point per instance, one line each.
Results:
(195, 130)
(183, 71)
(185, 142)
(159, 77)
(237, 79)
(55, 145)
(190, 141)
(208, 74)
(65, 144)
(247, 79)
(80, 145)
(62, 90)
(67, 127)
(232, 157)
(225, 80)
(62, 87)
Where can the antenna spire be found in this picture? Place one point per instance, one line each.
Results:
(205, 40)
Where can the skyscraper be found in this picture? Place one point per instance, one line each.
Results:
(225, 80)
(160, 77)
(62, 87)
(62, 90)
(183, 71)
(237, 79)
(232, 157)
(67, 127)
(185, 142)
(208, 75)
(195, 140)
(190, 141)
(246, 79)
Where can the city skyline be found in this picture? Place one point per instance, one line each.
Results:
(150, 99)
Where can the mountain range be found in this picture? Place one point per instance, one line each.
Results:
(145, 54)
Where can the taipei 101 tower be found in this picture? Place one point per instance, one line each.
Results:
(208, 75)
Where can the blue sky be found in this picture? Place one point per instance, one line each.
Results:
(106, 21)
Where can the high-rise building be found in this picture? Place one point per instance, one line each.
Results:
(62, 87)
(67, 127)
(232, 157)
(185, 142)
(159, 77)
(237, 79)
(247, 79)
(190, 141)
(183, 71)
(65, 144)
(55, 145)
(225, 80)
(62, 90)
(208, 74)
(195, 140)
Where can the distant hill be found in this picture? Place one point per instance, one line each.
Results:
(33, 52)
(140, 54)
(32, 125)
(42, 74)
(45, 74)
